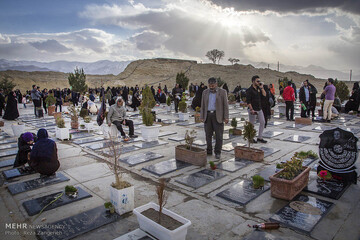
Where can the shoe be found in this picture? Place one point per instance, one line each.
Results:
(261, 140)
(328, 121)
(133, 136)
(209, 153)
(217, 156)
(254, 141)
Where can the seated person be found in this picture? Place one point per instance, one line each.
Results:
(43, 157)
(162, 97)
(117, 116)
(92, 107)
(85, 103)
(25, 142)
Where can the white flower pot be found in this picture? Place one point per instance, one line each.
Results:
(111, 131)
(150, 133)
(156, 229)
(18, 129)
(183, 116)
(123, 199)
(168, 108)
(62, 133)
(89, 126)
(282, 109)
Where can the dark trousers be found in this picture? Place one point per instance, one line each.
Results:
(44, 106)
(289, 106)
(176, 103)
(56, 105)
(212, 125)
(1, 110)
(37, 103)
(304, 113)
(128, 123)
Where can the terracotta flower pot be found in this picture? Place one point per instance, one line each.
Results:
(51, 110)
(288, 189)
(75, 125)
(304, 121)
(252, 154)
(197, 117)
(235, 131)
(1, 123)
(196, 156)
(57, 115)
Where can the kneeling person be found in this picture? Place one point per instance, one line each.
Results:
(117, 116)
(43, 157)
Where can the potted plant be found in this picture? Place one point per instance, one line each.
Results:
(291, 180)
(248, 153)
(190, 154)
(324, 175)
(71, 191)
(84, 112)
(87, 120)
(74, 117)
(168, 103)
(212, 165)
(110, 207)
(197, 115)
(233, 130)
(149, 132)
(258, 181)
(62, 132)
(231, 99)
(121, 192)
(154, 218)
(18, 129)
(50, 103)
(183, 114)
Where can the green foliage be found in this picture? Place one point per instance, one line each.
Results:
(220, 82)
(258, 181)
(212, 164)
(7, 85)
(183, 105)
(50, 100)
(108, 205)
(168, 101)
(284, 81)
(279, 165)
(60, 122)
(342, 90)
(292, 168)
(249, 132)
(308, 154)
(190, 138)
(73, 114)
(231, 97)
(77, 80)
(70, 189)
(182, 80)
(233, 60)
(87, 119)
(234, 122)
(84, 112)
(215, 55)
(148, 102)
(197, 109)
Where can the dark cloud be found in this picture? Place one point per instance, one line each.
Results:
(51, 46)
(282, 6)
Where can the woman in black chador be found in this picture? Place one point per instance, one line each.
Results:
(11, 109)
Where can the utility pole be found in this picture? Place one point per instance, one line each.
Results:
(278, 66)
(350, 75)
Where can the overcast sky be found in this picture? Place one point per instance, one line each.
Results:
(319, 32)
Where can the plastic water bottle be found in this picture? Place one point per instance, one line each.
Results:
(303, 106)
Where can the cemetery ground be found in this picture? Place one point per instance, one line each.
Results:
(220, 204)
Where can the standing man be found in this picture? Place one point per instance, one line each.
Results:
(2, 101)
(253, 100)
(289, 97)
(35, 96)
(329, 93)
(44, 95)
(177, 94)
(117, 116)
(214, 112)
(304, 97)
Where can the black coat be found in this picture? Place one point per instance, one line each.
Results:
(11, 110)
(24, 148)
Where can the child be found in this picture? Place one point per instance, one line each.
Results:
(24, 100)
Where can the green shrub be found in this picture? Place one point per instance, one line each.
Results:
(50, 100)
(249, 132)
(234, 123)
(168, 101)
(60, 122)
(342, 90)
(231, 97)
(83, 113)
(70, 189)
(258, 181)
(182, 80)
(183, 105)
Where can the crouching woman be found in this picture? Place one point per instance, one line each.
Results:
(43, 157)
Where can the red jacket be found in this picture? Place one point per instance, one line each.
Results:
(289, 94)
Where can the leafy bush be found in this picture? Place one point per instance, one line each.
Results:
(231, 97)
(168, 101)
(7, 85)
(249, 132)
(183, 105)
(258, 181)
(234, 123)
(77, 80)
(182, 80)
(50, 100)
(148, 102)
(60, 122)
(292, 168)
(342, 90)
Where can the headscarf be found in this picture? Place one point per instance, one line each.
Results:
(44, 146)
(27, 137)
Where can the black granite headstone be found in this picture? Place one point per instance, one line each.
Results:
(144, 145)
(76, 225)
(267, 172)
(166, 167)
(201, 178)
(177, 138)
(7, 163)
(166, 133)
(303, 213)
(100, 145)
(77, 135)
(322, 128)
(233, 164)
(242, 192)
(36, 183)
(297, 138)
(296, 126)
(271, 134)
(9, 152)
(269, 151)
(122, 150)
(276, 123)
(140, 158)
(331, 189)
(18, 172)
(34, 206)
(88, 140)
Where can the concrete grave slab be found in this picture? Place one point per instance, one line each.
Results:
(242, 192)
(36, 183)
(165, 167)
(17, 172)
(152, 144)
(166, 133)
(269, 151)
(89, 172)
(34, 206)
(303, 213)
(7, 163)
(140, 158)
(271, 134)
(297, 138)
(201, 178)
